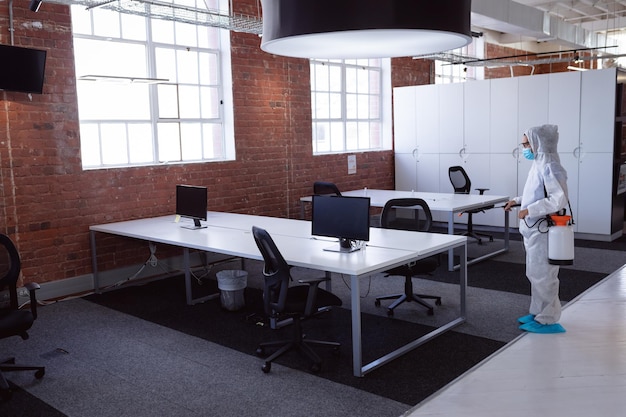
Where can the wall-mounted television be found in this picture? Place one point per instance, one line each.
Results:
(191, 203)
(346, 218)
(22, 69)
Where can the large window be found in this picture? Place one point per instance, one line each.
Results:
(151, 91)
(350, 102)
(450, 72)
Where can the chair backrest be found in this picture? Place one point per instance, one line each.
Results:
(275, 271)
(406, 214)
(324, 188)
(459, 179)
(10, 267)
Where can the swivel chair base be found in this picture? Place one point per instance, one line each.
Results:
(299, 343)
(409, 296)
(9, 365)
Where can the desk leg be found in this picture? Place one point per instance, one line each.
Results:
(463, 281)
(188, 290)
(94, 262)
(451, 232)
(357, 360)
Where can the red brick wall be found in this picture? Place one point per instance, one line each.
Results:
(47, 202)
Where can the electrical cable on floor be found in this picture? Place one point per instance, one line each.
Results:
(369, 286)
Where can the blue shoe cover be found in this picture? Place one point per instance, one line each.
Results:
(534, 327)
(526, 319)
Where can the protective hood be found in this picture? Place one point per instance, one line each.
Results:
(543, 141)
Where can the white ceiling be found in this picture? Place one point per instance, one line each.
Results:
(541, 25)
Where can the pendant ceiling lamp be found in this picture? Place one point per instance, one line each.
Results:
(348, 29)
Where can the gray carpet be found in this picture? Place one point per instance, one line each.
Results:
(101, 362)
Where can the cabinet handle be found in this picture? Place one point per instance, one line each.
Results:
(463, 154)
(416, 154)
(577, 153)
(515, 153)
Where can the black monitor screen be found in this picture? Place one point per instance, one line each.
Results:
(22, 69)
(191, 202)
(346, 218)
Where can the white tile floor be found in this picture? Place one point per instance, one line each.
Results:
(578, 373)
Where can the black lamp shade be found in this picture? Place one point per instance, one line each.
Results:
(364, 28)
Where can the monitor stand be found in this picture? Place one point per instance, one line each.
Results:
(196, 225)
(345, 246)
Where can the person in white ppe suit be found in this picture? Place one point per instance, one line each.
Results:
(545, 192)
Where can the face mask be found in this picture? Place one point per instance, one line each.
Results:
(528, 154)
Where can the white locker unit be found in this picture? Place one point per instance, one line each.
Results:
(479, 125)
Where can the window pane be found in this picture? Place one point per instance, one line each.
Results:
(186, 34)
(114, 146)
(166, 64)
(140, 148)
(187, 66)
(191, 141)
(336, 137)
(162, 31)
(213, 142)
(90, 144)
(133, 27)
(189, 101)
(101, 100)
(209, 105)
(322, 106)
(106, 23)
(81, 21)
(208, 69)
(96, 57)
(169, 142)
(168, 101)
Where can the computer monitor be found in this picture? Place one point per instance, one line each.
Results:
(191, 203)
(346, 218)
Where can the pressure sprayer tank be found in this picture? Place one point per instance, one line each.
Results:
(561, 241)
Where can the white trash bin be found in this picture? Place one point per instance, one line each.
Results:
(232, 284)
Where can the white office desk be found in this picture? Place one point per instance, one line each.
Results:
(446, 202)
(386, 249)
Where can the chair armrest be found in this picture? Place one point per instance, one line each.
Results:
(32, 287)
(315, 281)
(311, 298)
(482, 190)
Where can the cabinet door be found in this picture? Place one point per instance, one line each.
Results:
(504, 134)
(477, 113)
(451, 117)
(597, 110)
(427, 118)
(533, 102)
(564, 108)
(595, 179)
(427, 173)
(503, 173)
(404, 126)
(406, 172)
(570, 163)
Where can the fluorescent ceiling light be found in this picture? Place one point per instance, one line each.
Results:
(348, 29)
(114, 78)
(573, 68)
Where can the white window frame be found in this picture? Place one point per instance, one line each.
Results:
(224, 121)
(383, 118)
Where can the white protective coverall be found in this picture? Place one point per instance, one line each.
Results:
(546, 171)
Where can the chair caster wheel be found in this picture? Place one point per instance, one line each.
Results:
(266, 367)
(389, 313)
(431, 312)
(40, 373)
(260, 351)
(438, 302)
(377, 303)
(491, 239)
(316, 368)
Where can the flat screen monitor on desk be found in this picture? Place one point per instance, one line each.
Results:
(191, 203)
(346, 218)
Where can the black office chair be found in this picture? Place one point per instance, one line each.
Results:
(297, 302)
(462, 185)
(325, 188)
(13, 321)
(409, 214)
